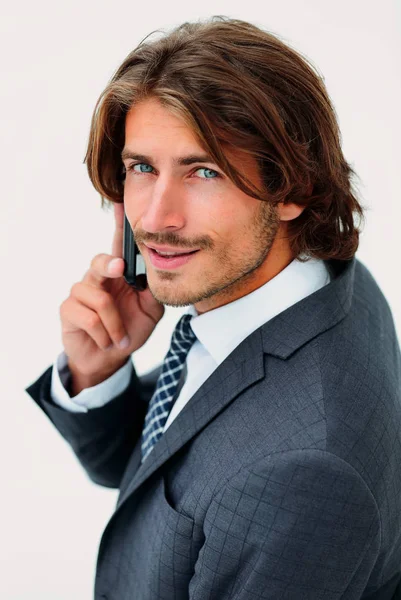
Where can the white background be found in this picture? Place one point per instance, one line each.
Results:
(56, 58)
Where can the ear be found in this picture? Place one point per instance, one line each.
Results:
(287, 212)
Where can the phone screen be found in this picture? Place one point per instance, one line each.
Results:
(135, 268)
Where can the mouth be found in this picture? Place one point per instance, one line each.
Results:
(169, 262)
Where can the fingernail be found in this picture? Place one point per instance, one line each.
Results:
(112, 264)
(125, 342)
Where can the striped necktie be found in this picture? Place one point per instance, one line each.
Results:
(163, 398)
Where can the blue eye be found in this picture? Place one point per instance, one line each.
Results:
(210, 171)
(140, 165)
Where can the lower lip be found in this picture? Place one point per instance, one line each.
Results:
(162, 262)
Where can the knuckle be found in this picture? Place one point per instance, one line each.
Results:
(62, 309)
(98, 262)
(94, 262)
(92, 321)
(103, 300)
(74, 289)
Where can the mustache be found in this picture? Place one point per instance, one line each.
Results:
(173, 240)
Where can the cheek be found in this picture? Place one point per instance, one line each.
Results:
(138, 188)
(134, 204)
(217, 210)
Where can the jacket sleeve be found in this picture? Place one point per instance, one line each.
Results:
(300, 525)
(102, 438)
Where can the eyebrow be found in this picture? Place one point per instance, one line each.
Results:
(177, 162)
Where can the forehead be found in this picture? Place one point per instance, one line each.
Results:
(150, 119)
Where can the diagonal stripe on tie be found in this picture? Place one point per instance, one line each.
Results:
(162, 400)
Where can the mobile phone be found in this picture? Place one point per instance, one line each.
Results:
(135, 268)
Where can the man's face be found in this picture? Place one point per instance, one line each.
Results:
(193, 206)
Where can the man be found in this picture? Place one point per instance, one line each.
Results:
(262, 459)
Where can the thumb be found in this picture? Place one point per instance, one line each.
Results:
(119, 216)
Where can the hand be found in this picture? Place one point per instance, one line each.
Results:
(101, 311)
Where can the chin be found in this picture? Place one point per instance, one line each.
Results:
(167, 293)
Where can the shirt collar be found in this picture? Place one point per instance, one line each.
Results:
(221, 330)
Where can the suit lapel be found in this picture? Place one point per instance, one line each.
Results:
(243, 367)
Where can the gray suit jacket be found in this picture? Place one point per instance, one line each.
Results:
(281, 477)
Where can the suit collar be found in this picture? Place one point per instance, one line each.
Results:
(306, 319)
(222, 329)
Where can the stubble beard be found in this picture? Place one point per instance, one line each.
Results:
(263, 230)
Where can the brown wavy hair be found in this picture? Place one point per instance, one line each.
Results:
(238, 86)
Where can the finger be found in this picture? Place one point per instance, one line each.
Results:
(105, 320)
(82, 318)
(119, 215)
(103, 267)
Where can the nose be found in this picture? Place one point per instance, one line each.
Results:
(164, 208)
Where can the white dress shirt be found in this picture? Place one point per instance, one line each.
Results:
(218, 332)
